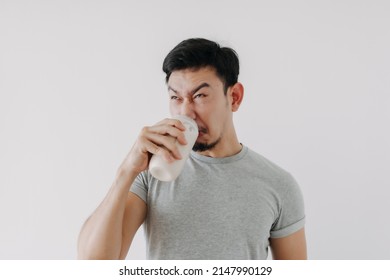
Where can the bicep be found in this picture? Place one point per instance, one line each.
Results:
(292, 247)
(133, 218)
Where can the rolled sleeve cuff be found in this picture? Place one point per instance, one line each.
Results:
(139, 192)
(286, 231)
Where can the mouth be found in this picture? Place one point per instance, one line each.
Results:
(202, 131)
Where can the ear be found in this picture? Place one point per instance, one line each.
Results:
(236, 95)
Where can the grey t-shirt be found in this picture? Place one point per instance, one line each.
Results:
(220, 208)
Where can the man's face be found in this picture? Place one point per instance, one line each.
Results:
(199, 94)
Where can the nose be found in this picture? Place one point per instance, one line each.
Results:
(187, 109)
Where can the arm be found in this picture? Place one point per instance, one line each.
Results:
(292, 247)
(108, 232)
(120, 212)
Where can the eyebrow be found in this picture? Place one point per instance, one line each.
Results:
(203, 85)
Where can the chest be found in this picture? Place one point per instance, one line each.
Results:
(214, 204)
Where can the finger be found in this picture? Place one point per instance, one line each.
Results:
(167, 142)
(158, 150)
(148, 134)
(165, 129)
(173, 122)
(178, 134)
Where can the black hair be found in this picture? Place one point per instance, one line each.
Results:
(196, 53)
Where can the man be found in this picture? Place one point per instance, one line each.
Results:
(228, 203)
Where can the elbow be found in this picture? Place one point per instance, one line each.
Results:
(95, 255)
(88, 250)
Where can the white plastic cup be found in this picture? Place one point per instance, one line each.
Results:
(169, 171)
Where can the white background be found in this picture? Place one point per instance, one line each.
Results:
(78, 80)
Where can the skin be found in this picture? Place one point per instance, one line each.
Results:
(292, 247)
(198, 94)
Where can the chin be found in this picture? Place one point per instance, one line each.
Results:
(201, 146)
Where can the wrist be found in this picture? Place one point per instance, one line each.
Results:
(124, 172)
(125, 177)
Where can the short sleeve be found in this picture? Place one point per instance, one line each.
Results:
(140, 186)
(291, 210)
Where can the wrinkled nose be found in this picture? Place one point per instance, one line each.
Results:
(187, 109)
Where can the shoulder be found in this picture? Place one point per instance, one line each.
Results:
(268, 167)
(277, 179)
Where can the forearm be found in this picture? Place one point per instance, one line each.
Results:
(101, 234)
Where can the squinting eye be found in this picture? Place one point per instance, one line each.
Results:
(173, 97)
(199, 95)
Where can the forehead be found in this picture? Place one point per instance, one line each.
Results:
(181, 79)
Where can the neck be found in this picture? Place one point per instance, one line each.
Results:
(224, 148)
